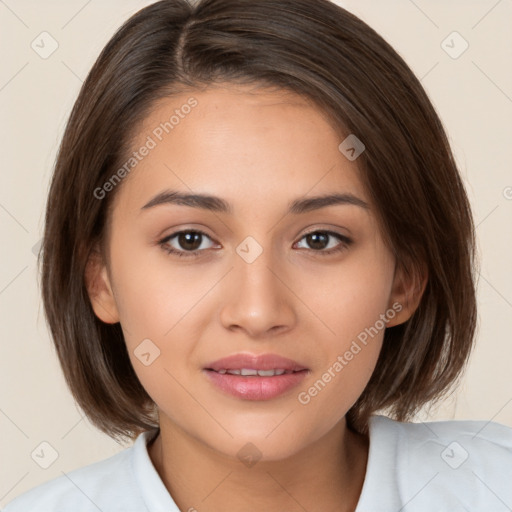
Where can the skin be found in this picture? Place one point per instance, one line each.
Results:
(258, 151)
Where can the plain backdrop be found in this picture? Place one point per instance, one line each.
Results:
(472, 92)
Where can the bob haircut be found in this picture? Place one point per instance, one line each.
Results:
(353, 76)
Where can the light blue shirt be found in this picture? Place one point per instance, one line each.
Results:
(450, 466)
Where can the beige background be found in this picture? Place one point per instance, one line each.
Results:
(472, 93)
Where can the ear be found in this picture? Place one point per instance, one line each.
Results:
(407, 291)
(99, 288)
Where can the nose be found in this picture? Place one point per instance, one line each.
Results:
(258, 298)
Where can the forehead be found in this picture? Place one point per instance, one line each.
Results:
(239, 143)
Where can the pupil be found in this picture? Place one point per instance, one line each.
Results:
(190, 238)
(313, 240)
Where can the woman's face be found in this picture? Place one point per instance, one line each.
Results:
(277, 272)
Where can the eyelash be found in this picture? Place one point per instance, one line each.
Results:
(345, 242)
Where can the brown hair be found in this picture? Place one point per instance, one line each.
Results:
(332, 58)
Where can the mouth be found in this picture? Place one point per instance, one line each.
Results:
(255, 377)
(250, 372)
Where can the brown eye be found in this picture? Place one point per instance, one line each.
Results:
(318, 241)
(185, 242)
(189, 240)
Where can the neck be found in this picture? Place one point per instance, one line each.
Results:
(325, 476)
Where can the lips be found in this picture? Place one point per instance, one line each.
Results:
(244, 372)
(256, 362)
(253, 377)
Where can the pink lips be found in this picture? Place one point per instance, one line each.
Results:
(255, 387)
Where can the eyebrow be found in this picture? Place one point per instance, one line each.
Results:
(216, 204)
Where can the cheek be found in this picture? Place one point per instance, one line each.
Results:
(352, 303)
(349, 296)
(156, 301)
(153, 293)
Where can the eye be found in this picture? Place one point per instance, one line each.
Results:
(319, 241)
(189, 243)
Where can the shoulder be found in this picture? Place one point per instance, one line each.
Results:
(458, 462)
(460, 441)
(108, 484)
